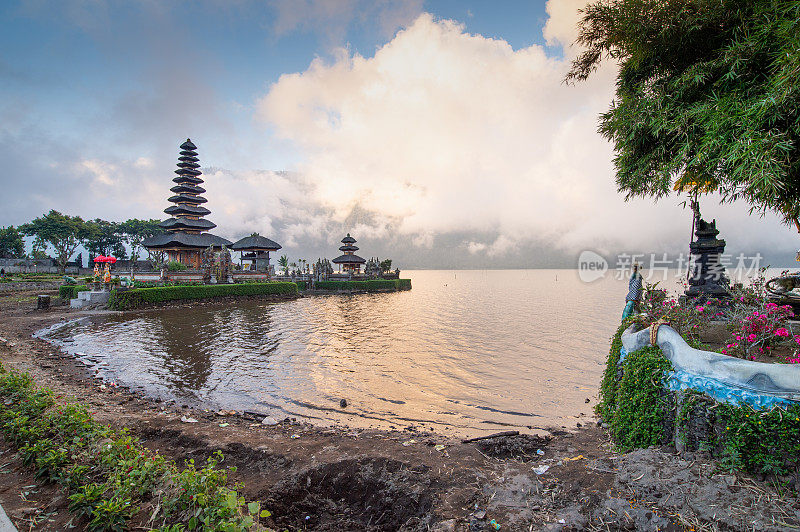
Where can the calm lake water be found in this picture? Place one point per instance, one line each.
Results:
(464, 351)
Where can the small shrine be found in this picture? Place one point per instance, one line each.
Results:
(349, 262)
(707, 277)
(187, 237)
(255, 251)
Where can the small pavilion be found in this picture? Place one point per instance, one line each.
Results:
(255, 250)
(186, 235)
(349, 262)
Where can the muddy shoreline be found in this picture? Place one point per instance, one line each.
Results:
(338, 478)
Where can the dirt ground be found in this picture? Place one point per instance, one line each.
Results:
(340, 479)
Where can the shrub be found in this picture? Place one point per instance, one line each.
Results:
(632, 394)
(110, 475)
(372, 285)
(640, 409)
(138, 297)
(67, 292)
(301, 285)
(175, 266)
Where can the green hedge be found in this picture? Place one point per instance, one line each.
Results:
(109, 476)
(367, 286)
(301, 285)
(138, 297)
(68, 291)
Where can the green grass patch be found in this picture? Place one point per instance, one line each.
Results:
(111, 479)
(140, 297)
(67, 292)
(367, 286)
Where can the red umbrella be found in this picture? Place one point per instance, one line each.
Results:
(101, 258)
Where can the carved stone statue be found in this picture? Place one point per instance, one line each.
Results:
(216, 265)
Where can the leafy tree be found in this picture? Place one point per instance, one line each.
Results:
(11, 244)
(63, 232)
(39, 250)
(283, 262)
(104, 238)
(386, 265)
(708, 97)
(136, 231)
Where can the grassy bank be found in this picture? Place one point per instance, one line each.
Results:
(113, 482)
(366, 286)
(141, 297)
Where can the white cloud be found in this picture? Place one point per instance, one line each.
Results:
(445, 132)
(102, 173)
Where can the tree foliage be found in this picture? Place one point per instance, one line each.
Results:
(63, 232)
(104, 238)
(283, 262)
(136, 231)
(11, 244)
(707, 98)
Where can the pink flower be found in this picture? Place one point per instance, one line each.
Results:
(724, 351)
(751, 338)
(782, 332)
(699, 308)
(738, 337)
(797, 338)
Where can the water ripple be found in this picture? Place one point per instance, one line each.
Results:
(464, 350)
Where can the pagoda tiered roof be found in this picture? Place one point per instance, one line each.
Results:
(186, 240)
(199, 224)
(348, 259)
(186, 228)
(255, 242)
(348, 248)
(193, 189)
(186, 209)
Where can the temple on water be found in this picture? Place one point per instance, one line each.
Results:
(349, 262)
(186, 233)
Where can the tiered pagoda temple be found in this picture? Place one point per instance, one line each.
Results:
(349, 262)
(186, 233)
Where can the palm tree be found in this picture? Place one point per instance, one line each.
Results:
(283, 262)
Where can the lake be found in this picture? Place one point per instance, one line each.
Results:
(464, 352)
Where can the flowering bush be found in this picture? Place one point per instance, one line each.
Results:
(759, 331)
(757, 325)
(688, 320)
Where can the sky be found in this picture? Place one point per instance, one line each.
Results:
(439, 133)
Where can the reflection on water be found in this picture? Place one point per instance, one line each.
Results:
(466, 351)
